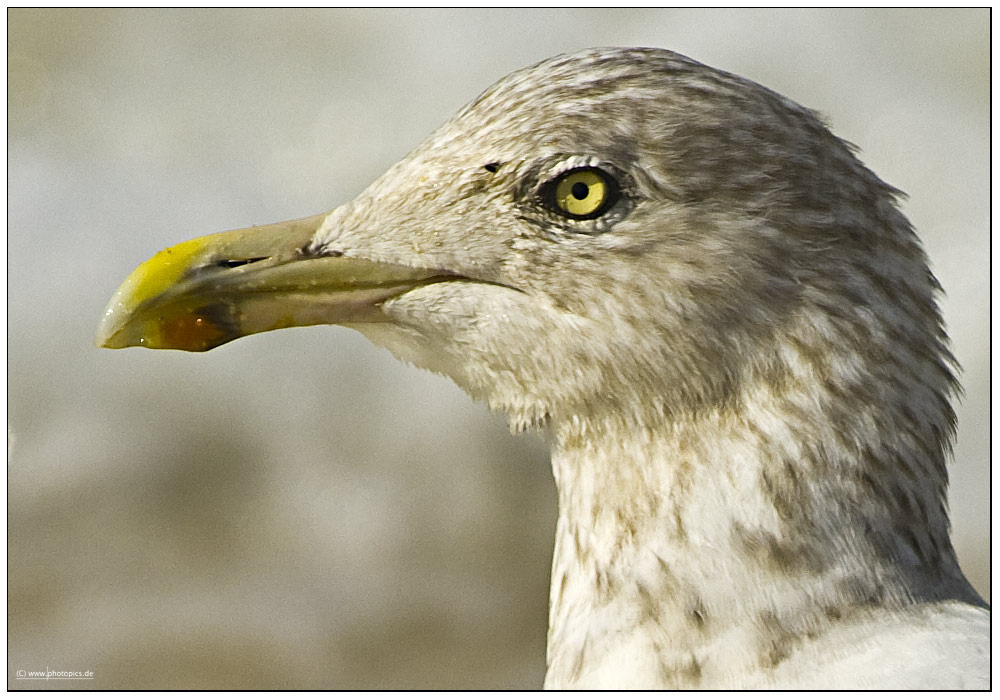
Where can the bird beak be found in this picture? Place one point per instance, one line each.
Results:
(208, 291)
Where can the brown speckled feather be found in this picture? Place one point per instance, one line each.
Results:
(741, 366)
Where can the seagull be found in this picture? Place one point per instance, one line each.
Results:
(723, 325)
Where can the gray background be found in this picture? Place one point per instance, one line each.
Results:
(298, 509)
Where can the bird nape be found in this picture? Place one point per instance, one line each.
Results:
(722, 322)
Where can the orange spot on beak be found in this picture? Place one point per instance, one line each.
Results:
(190, 332)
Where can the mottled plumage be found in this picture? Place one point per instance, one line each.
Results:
(739, 364)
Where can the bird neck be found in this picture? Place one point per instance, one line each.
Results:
(676, 542)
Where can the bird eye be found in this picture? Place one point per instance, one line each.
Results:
(584, 193)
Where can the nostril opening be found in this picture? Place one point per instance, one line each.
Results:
(239, 262)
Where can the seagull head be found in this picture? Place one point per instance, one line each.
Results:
(616, 231)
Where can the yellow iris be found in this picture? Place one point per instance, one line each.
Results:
(581, 192)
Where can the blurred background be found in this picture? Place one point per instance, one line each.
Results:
(298, 509)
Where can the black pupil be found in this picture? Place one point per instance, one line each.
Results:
(580, 190)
